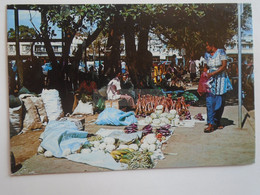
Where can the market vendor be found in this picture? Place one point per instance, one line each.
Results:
(219, 85)
(86, 92)
(113, 91)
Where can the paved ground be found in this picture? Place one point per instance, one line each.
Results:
(188, 147)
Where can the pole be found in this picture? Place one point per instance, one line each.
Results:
(240, 6)
(17, 48)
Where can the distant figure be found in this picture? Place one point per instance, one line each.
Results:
(192, 70)
(124, 68)
(183, 54)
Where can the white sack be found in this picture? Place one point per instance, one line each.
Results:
(32, 119)
(52, 103)
(84, 108)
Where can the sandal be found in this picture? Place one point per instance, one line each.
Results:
(209, 129)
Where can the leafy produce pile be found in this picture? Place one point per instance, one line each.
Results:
(190, 96)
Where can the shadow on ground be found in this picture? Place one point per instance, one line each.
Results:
(226, 122)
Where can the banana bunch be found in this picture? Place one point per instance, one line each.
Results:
(123, 155)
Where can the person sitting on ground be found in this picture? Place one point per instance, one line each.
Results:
(113, 91)
(86, 92)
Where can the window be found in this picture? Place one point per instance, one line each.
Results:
(12, 48)
(26, 48)
(55, 48)
(40, 48)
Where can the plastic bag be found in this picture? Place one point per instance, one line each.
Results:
(15, 117)
(14, 101)
(112, 116)
(100, 105)
(203, 84)
(84, 108)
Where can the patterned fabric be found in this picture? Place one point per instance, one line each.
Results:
(218, 84)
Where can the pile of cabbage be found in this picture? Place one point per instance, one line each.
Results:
(108, 144)
(160, 119)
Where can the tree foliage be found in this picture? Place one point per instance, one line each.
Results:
(25, 32)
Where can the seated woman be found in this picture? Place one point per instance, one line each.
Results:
(113, 91)
(86, 92)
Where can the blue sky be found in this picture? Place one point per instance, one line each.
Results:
(24, 19)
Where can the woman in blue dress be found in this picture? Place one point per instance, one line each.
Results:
(219, 85)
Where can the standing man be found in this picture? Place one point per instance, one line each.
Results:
(219, 85)
(192, 69)
(183, 54)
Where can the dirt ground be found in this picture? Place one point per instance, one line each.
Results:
(187, 147)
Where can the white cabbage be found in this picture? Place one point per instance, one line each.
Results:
(133, 146)
(174, 112)
(150, 138)
(110, 147)
(151, 147)
(123, 146)
(153, 116)
(159, 107)
(40, 150)
(109, 140)
(148, 120)
(144, 146)
(102, 146)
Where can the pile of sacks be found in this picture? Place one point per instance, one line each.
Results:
(35, 111)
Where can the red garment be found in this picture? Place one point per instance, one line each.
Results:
(203, 84)
(87, 88)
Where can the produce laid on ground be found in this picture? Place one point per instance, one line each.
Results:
(199, 117)
(138, 153)
(148, 104)
(173, 117)
(189, 97)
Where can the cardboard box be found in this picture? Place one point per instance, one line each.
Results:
(112, 104)
(79, 122)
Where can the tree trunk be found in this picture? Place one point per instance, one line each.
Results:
(113, 59)
(131, 49)
(144, 57)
